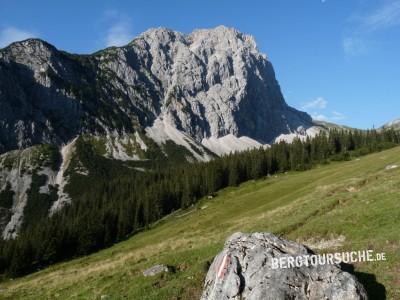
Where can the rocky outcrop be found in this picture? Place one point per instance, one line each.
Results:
(154, 270)
(208, 84)
(18, 169)
(246, 269)
(395, 125)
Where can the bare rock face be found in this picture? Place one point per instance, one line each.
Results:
(244, 270)
(207, 84)
(212, 82)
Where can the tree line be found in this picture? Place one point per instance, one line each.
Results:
(116, 201)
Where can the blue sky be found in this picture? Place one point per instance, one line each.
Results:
(337, 59)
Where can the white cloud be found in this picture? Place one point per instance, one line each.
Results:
(333, 117)
(11, 34)
(318, 103)
(360, 40)
(386, 16)
(319, 117)
(354, 46)
(337, 116)
(317, 108)
(119, 32)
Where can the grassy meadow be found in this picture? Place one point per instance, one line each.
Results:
(352, 205)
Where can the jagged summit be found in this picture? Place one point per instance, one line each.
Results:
(30, 42)
(30, 52)
(220, 38)
(206, 84)
(164, 95)
(224, 38)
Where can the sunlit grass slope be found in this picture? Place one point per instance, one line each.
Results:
(352, 205)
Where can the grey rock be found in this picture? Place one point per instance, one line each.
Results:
(16, 170)
(154, 270)
(394, 124)
(210, 83)
(249, 273)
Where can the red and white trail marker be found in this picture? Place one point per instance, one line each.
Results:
(223, 267)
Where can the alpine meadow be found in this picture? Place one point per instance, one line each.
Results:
(149, 163)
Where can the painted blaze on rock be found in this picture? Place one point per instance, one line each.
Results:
(243, 270)
(223, 266)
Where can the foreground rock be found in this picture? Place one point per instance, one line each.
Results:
(244, 270)
(154, 270)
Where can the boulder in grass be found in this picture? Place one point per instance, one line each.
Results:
(154, 270)
(245, 270)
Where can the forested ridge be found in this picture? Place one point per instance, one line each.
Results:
(116, 200)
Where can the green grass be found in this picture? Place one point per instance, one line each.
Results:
(357, 199)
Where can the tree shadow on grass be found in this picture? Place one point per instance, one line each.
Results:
(374, 289)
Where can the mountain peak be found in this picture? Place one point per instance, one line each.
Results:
(160, 35)
(219, 30)
(224, 37)
(30, 43)
(33, 52)
(166, 95)
(220, 38)
(210, 83)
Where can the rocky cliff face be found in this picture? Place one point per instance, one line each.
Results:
(199, 95)
(207, 84)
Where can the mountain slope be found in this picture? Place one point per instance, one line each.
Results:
(207, 84)
(345, 206)
(20, 172)
(165, 96)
